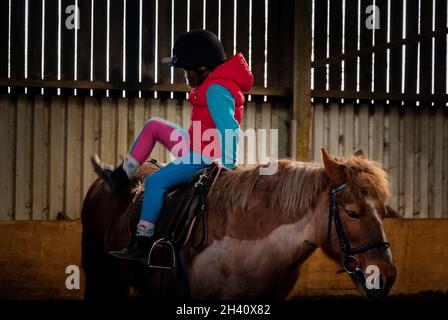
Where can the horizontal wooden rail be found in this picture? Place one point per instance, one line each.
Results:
(365, 95)
(130, 86)
(378, 48)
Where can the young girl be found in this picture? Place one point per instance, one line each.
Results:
(217, 100)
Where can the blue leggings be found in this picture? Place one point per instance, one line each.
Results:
(177, 172)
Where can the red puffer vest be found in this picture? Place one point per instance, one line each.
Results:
(235, 76)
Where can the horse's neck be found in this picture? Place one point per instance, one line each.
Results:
(306, 236)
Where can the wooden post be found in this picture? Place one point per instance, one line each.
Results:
(301, 111)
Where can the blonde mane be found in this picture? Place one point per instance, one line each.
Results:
(296, 186)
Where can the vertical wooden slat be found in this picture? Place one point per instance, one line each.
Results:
(170, 116)
(426, 48)
(402, 164)
(100, 40)
(411, 49)
(440, 48)
(91, 138)
(17, 53)
(139, 116)
(258, 13)
(424, 159)
(318, 138)
(148, 45)
(196, 14)
(396, 11)
(351, 41)
(211, 16)
(394, 124)
(417, 163)
(409, 162)
(227, 20)
(242, 28)
(180, 27)
(4, 22)
(23, 156)
(73, 172)
(445, 166)
(57, 156)
(341, 129)
(380, 57)
(364, 128)
(51, 41)
(386, 146)
(356, 143)
(326, 127)
(7, 156)
(122, 129)
(378, 136)
(241, 142)
(320, 43)
(274, 145)
(348, 129)
(67, 47)
(264, 124)
(250, 151)
(365, 63)
(40, 159)
(438, 164)
(164, 49)
(34, 39)
(84, 38)
(371, 136)
(156, 111)
(335, 43)
(108, 130)
(116, 42)
(278, 39)
(334, 128)
(132, 41)
(431, 149)
(186, 114)
(301, 100)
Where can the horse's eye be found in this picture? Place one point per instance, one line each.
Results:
(352, 214)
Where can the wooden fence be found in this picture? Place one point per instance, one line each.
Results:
(404, 59)
(47, 142)
(410, 143)
(122, 42)
(365, 85)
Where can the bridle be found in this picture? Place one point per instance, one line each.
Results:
(349, 252)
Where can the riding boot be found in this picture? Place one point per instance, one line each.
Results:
(115, 178)
(138, 249)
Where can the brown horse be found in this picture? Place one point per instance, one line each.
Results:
(260, 229)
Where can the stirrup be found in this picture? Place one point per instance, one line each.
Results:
(161, 242)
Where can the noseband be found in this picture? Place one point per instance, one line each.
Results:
(347, 250)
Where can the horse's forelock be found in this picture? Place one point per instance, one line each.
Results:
(366, 178)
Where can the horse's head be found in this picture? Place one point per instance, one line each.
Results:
(354, 236)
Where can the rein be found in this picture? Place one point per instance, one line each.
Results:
(349, 252)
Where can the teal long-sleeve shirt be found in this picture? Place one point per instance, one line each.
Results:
(221, 105)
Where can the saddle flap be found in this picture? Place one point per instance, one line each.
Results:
(180, 206)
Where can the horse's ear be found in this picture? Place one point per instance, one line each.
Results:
(333, 168)
(359, 153)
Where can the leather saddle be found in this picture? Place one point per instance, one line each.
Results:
(183, 219)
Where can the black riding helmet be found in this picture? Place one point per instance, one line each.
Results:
(197, 47)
